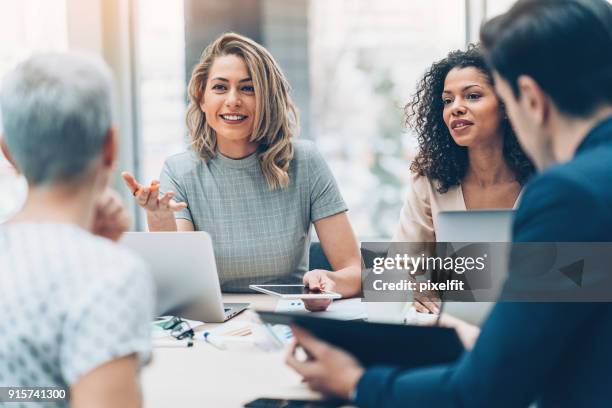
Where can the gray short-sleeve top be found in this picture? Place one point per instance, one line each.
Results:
(259, 235)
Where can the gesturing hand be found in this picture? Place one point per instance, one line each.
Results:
(111, 219)
(148, 196)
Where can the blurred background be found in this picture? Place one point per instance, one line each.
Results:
(353, 65)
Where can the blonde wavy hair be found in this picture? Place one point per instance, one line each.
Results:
(276, 117)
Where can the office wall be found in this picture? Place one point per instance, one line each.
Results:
(285, 34)
(207, 19)
(281, 26)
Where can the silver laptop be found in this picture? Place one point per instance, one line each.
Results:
(185, 273)
(478, 226)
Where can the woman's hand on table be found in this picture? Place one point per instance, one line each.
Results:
(148, 197)
(318, 280)
(427, 302)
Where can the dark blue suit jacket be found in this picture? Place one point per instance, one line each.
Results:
(559, 354)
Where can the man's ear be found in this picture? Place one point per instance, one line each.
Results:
(534, 100)
(110, 147)
(6, 153)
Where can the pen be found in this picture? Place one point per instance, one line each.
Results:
(210, 339)
(172, 343)
(220, 342)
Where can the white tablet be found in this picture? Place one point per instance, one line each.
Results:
(294, 292)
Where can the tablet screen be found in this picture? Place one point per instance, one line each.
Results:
(289, 289)
(292, 290)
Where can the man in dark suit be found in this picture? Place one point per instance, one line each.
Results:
(553, 68)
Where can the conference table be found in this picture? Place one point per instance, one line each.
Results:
(204, 376)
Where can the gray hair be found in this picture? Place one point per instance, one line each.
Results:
(57, 111)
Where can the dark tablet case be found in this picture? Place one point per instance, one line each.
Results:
(379, 343)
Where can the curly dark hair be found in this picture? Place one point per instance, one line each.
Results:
(439, 157)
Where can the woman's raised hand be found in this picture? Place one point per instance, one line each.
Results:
(148, 196)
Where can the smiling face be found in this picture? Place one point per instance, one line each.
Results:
(229, 102)
(471, 108)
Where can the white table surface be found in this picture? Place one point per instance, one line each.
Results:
(203, 376)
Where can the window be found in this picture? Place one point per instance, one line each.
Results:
(26, 27)
(366, 58)
(161, 70)
(497, 7)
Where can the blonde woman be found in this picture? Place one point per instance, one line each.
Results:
(246, 181)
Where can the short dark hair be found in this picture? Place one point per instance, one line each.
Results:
(439, 157)
(564, 45)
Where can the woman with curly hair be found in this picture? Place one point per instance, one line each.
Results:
(468, 157)
(246, 182)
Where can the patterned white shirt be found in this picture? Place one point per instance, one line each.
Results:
(69, 302)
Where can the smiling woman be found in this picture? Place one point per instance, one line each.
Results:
(229, 103)
(247, 182)
(237, 76)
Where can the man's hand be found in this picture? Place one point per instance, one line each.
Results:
(328, 369)
(318, 280)
(468, 333)
(111, 219)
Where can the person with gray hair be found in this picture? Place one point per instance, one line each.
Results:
(76, 307)
(57, 112)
